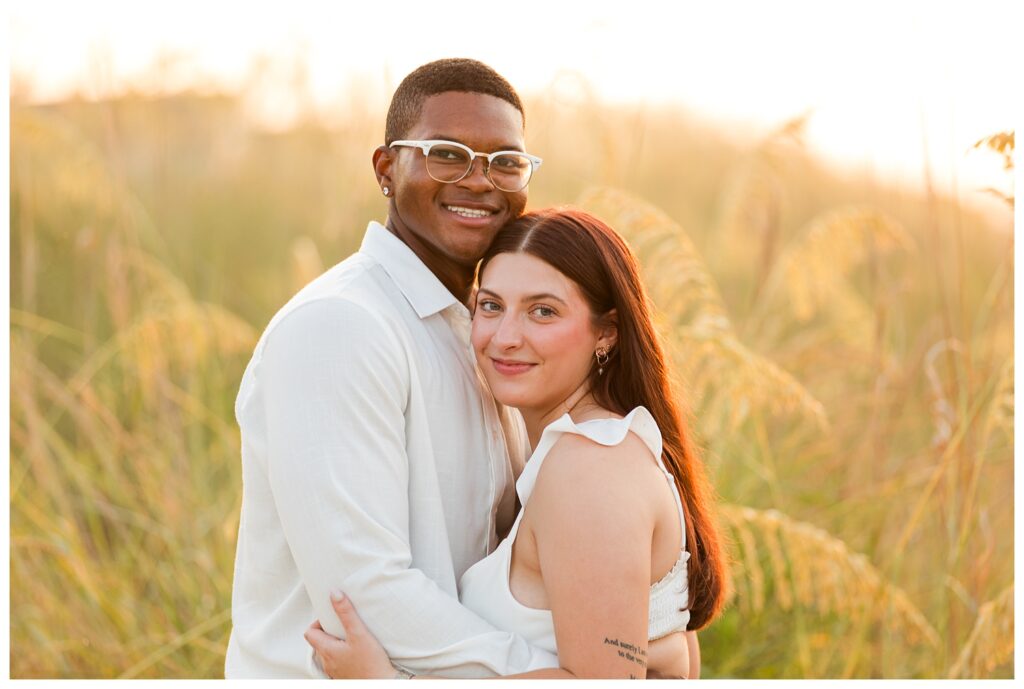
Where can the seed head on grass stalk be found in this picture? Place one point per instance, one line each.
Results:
(990, 643)
(811, 278)
(823, 573)
(719, 367)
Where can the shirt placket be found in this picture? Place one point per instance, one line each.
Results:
(459, 319)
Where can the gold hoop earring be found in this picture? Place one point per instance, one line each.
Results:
(602, 358)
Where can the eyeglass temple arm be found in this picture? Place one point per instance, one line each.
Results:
(422, 145)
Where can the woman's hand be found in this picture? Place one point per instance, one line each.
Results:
(358, 656)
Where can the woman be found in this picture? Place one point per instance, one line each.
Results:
(615, 544)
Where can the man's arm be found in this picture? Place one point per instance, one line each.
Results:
(336, 387)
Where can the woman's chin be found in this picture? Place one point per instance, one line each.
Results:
(512, 397)
(516, 401)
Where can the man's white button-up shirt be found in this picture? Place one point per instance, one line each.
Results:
(374, 462)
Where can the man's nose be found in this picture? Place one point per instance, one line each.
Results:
(477, 178)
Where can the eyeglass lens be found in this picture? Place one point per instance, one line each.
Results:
(508, 172)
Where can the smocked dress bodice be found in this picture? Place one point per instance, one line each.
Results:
(485, 588)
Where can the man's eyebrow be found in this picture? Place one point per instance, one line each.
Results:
(531, 297)
(502, 147)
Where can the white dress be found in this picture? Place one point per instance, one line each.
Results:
(484, 588)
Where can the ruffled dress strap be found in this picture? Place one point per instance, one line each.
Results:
(607, 432)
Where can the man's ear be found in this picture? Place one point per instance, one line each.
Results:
(609, 330)
(383, 157)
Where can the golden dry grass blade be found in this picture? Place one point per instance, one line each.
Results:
(753, 192)
(999, 418)
(990, 643)
(752, 569)
(813, 271)
(182, 334)
(751, 198)
(44, 327)
(149, 278)
(721, 369)
(676, 277)
(177, 642)
(59, 174)
(826, 575)
(734, 381)
(949, 454)
(50, 163)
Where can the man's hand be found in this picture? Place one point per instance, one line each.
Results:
(358, 656)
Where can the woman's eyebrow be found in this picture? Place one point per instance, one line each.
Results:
(530, 297)
(543, 296)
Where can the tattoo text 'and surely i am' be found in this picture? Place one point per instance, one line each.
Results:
(630, 652)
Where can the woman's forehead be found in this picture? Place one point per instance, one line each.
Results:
(512, 275)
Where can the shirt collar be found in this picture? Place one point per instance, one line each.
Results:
(420, 286)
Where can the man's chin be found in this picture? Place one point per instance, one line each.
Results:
(469, 252)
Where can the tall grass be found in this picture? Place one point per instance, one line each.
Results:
(853, 395)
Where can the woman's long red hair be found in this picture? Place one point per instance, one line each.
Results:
(603, 266)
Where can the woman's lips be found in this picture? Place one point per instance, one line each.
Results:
(511, 368)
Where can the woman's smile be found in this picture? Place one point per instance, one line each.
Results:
(509, 367)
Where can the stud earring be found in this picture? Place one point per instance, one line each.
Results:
(387, 191)
(602, 358)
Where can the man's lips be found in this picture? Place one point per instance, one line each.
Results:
(508, 367)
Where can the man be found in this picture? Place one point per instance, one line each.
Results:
(374, 461)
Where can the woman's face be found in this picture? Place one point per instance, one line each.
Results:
(533, 332)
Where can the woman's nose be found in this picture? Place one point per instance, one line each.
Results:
(508, 333)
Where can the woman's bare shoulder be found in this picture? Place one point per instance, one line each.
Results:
(596, 476)
(576, 451)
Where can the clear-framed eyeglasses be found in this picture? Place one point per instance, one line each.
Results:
(450, 161)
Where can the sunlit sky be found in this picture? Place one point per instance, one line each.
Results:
(892, 86)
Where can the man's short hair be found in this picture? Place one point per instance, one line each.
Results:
(440, 76)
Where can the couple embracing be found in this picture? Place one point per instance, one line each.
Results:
(460, 453)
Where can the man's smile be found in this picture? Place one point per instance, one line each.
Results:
(471, 209)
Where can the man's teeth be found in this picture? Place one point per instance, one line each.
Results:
(468, 212)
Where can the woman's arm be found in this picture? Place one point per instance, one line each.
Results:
(360, 655)
(592, 520)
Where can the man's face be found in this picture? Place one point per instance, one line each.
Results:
(446, 218)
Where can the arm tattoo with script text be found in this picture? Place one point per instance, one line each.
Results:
(630, 652)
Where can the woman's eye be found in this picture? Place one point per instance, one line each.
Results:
(489, 306)
(544, 311)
